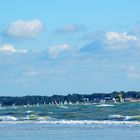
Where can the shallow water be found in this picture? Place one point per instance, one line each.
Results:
(69, 132)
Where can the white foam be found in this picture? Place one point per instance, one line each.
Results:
(29, 111)
(75, 122)
(45, 118)
(104, 105)
(8, 118)
(92, 122)
(65, 107)
(116, 116)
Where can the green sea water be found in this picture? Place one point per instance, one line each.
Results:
(108, 121)
(75, 112)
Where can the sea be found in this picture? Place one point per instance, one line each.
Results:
(81, 121)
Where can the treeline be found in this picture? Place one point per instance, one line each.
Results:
(70, 98)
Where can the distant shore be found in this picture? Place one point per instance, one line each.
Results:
(130, 96)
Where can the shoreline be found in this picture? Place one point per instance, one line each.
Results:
(130, 96)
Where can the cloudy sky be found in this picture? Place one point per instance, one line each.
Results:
(77, 46)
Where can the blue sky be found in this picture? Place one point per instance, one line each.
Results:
(60, 47)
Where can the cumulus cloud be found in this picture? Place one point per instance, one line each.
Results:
(113, 37)
(24, 29)
(55, 51)
(70, 29)
(114, 41)
(10, 48)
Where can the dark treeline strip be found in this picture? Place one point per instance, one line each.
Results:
(70, 98)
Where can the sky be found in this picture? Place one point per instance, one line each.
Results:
(62, 47)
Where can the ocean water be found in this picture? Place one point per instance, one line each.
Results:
(72, 122)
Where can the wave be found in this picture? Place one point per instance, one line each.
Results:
(28, 112)
(75, 122)
(104, 105)
(45, 118)
(116, 120)
(8, 118)
(92, 122)
(27, 118)
(64, 107)
(125, 118)
(33, 117)
(112, 119)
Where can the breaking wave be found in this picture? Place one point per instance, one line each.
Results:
(72, 122)
(105, 113)
(125, 118)
(104, 105)
(8, 118)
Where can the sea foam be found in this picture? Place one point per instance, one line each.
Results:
(8, 118)
(104, 105)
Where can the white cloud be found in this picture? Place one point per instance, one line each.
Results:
(112, 41)
(113, 37)
(10, 48)
(55, 51)
(117, 41)
(24, 29)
